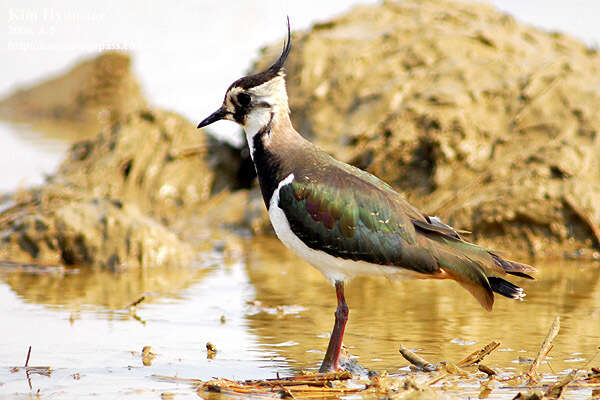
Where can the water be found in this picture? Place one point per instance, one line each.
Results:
(437, 317)
(81, 327)
(267, 312)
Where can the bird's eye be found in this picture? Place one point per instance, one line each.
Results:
(243, 99)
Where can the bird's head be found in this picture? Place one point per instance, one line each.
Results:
(253, 100)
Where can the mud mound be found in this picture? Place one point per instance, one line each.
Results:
(53, 226)
(488, 122)
(98, 91)
(152, 158)
(114, 197)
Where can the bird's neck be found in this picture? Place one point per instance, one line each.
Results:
(273, 130)
(273, 147)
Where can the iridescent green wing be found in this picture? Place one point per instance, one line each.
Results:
(353, 218)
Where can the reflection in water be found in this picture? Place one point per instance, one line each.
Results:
(108, 290)
(79, 326)
(438, 317)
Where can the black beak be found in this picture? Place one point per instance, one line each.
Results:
(216, 116)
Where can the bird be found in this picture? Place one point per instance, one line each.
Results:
(345, 221)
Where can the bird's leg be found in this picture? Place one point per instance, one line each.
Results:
(332, 357)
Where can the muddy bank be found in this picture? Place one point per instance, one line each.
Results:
(114, 199)
(95, 92)
(487, 122)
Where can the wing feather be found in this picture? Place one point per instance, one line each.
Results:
(351, 218)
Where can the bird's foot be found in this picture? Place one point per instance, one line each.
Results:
(347, 363)
(351, 365)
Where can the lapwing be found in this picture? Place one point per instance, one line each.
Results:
(343, 220)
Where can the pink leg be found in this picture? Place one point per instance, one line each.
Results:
(332, 357)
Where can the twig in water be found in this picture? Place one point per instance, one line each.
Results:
(544, 348)
(131, 309)
(556, 390)
(416, 360)
(487, 370)
(27, 369)
(138, 301)
(478, 355)
(28, 355)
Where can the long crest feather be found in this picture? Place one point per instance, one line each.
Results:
(287, 47)
(275, 69)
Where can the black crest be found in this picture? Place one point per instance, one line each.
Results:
(251, 81)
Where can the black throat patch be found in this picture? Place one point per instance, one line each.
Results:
(267, 164)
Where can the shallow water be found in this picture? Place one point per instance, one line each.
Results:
(277, 313)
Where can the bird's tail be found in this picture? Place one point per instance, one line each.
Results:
(506, 288)
(480, 270)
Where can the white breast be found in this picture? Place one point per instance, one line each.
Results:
(334, 268)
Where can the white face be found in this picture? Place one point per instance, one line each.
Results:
(266, 101)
